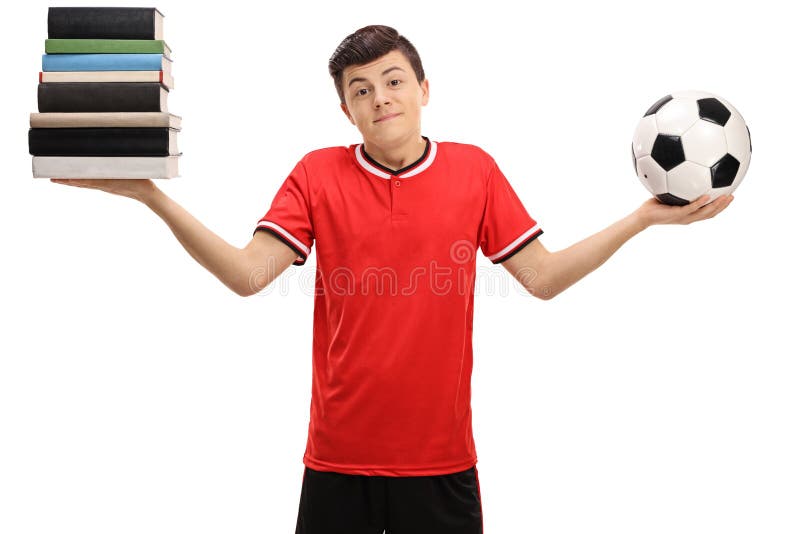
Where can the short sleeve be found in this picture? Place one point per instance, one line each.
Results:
(506, 226)
(289, 216)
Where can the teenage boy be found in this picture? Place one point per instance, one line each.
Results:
(397, 221)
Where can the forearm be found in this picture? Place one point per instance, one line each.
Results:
(222, 259)
(567, 266)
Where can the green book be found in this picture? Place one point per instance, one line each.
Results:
(106, 46)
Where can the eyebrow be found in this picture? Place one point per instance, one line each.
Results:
(384, 73)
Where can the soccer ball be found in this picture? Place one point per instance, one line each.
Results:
(688, 144)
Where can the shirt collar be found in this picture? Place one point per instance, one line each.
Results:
(373, 167)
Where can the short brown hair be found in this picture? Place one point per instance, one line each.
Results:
(368, 44)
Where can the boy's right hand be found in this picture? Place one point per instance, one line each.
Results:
(137, 189)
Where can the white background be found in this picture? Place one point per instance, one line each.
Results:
(659, 394)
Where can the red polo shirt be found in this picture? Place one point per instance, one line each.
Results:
(396, 254)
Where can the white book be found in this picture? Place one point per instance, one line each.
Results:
(122, 119)
(105, 167)
(164, 77)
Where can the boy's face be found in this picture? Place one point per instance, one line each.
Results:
(383, 99)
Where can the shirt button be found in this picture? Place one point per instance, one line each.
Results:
(397, 183)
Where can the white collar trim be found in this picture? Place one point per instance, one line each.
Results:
(383, 174)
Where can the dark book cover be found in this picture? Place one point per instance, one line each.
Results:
(99, 141)
(103, 23)
(101, 97)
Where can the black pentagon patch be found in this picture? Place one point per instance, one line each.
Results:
(724, 171)
(749, 138)
(668, 151)
(712, 110)
(672, 200)
(658, 105)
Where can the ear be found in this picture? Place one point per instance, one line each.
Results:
(425, 91)
(347, 112)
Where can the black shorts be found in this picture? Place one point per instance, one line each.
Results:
(337, 503)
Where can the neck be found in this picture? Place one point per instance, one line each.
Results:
(398, 155)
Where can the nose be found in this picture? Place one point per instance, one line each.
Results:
(379, 98)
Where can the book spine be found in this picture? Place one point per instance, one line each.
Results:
(104, 46)
(101, 23)
(98, 141)
(106, 76)
(104, 167)
(95, 62)
(105, 120)
(99, 97)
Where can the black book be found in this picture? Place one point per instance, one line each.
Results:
(98, 97)
(103, 142)
(105, 23)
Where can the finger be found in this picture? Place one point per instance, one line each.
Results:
(65, 181)
(727, 199)
(697, 204)
(712, 208)
(714, 204)
(71, 181)
(721, 203)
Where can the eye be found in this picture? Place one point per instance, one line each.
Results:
(361, 92)
(395, 84)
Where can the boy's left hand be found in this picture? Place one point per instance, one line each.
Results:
(654, 212)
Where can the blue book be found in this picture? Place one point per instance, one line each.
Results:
(97, 62)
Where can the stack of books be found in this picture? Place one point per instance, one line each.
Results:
(106, 75)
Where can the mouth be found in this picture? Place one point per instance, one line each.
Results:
(387, 117)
